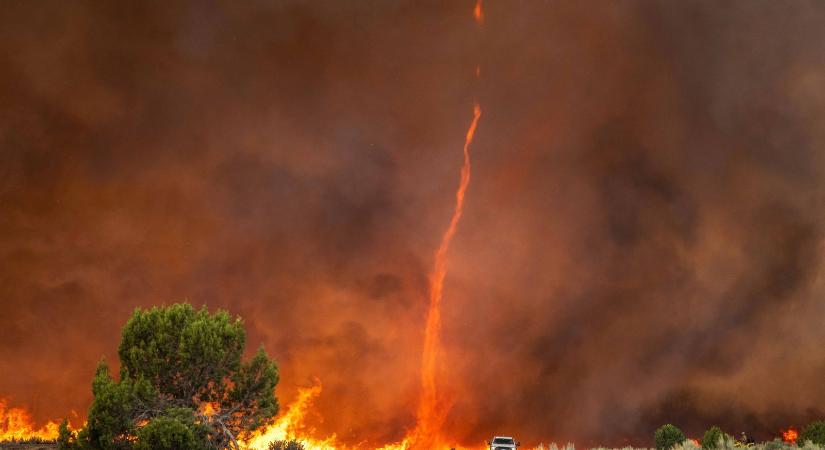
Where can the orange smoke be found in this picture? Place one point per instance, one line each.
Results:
(17, 424)
(790, 435)
(433, 405)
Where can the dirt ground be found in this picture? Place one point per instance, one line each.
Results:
(8, 446)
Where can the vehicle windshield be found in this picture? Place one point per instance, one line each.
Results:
(503, 441)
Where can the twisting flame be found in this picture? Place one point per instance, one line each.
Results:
(16, 423)
(433, 405)
(432, 408)
(790, 435)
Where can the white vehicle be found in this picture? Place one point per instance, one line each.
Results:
(503, 443)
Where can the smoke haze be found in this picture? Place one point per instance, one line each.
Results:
(642, 241)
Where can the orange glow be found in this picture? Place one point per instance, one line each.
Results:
(478, 13)
(790, 435)
(16, 423)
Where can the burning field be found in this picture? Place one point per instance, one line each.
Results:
(445, 221)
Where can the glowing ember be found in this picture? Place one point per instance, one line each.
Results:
(16, 423)
(478, 13)
(790, 435)
(209, 409)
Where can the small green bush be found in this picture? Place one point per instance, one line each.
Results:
(286, 445)
(175, 430)
(713, 437)
(777, 444)
(65, 438)
(814, 432)
(668, 436)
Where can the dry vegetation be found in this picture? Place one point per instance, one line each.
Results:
(690, 445)
(28, 446)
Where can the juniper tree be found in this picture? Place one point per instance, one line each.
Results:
(714, 438)
(182, 384)
(814, 432)
(667, 436)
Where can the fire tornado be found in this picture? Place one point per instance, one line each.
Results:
(434, 405)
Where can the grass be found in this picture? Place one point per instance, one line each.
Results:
(776, 444)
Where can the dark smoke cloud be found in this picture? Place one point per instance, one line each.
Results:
(642, 237)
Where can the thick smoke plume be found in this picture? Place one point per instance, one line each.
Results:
(642, 242)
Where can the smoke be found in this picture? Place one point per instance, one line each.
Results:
(641, 244)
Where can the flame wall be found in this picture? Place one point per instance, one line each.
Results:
(641, 244)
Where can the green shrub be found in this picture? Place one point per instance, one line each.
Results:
(180, 356)
(713, 437)
(808, 446)
(668, 436)
(65, 437)
(286, 445)
(175, 430)
(777, 444)
(814, 432)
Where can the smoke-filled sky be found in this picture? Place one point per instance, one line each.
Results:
(642, 238)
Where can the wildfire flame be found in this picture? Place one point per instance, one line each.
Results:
(291, 425)
(17, 424)
(478, 13)
(790, 435)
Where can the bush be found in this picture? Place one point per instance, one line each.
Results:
(286, 445)
(65, 437)
(175, 430)
(179, 356)
(778, 444)
(814, 432)
(713, 438)
(668, 436)
(808, 446)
